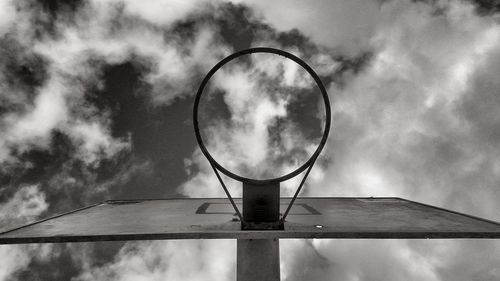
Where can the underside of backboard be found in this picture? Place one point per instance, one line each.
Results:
(214, 218)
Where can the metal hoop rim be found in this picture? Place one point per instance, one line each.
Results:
(297, 60)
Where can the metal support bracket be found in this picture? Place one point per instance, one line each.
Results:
(261, 207)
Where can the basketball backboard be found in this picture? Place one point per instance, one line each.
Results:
(214, 218)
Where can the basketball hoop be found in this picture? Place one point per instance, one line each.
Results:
(298, 170)
(261, 196)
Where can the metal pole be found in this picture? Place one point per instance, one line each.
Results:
(258, 260)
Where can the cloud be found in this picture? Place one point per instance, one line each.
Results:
(108, 32)
(160, 260)
(96, 141)
(389, 259)
(24, 206)
(202, 180)
(346, 26)
(162, 13)
(18, 257)
(398, 124)
(7, 16)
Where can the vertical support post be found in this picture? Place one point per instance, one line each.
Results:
(258, 259)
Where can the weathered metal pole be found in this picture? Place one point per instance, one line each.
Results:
(259, 259)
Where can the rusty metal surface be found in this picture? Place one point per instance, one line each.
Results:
(214, 218)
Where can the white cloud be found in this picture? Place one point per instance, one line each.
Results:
(24, 206)
(162, 12)
(323, 259)
(60, 105)
(395, 113)
(202, 181)
(51, 112)
(18, 257)
(169, 260)
(7, 15)
(343, 25)
(93, 141)
(32, 129)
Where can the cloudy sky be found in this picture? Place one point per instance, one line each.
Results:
(96, 100)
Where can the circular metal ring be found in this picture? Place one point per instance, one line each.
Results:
(276, 52)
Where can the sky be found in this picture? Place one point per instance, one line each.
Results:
(96, 101)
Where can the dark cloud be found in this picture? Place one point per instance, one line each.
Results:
(22, 72)
(58, 267)
(486, 7)
(43, 16)
(38, 165)
(60, 6)
(478, 109)
(238, 25)
(154, 132)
